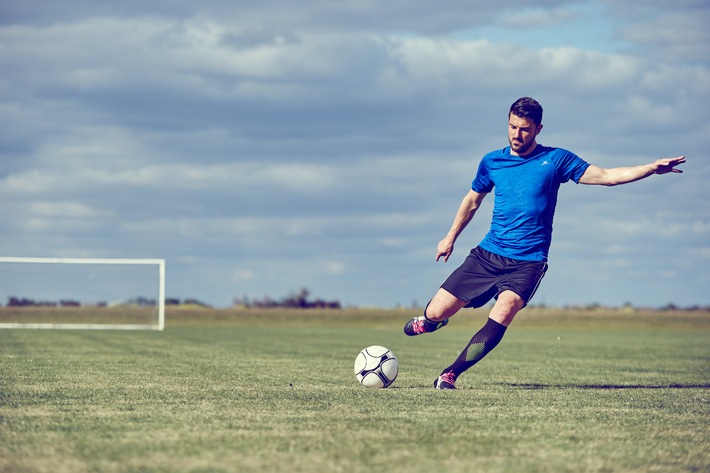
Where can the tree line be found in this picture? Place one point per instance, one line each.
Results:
(298, 300)
(13, 301)
(140, 301)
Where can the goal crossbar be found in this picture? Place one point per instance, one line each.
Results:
(139, 261)
(13, 259)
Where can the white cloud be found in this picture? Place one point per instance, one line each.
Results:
(330, 145)
(61, 210)
(538, 18)
(674, 33)
(241, 275)
(225, 178)
(335, 267)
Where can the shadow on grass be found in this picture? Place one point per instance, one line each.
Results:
(609, 386)
(536, 386)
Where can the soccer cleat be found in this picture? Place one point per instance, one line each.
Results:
(421, 324)
(445, 381)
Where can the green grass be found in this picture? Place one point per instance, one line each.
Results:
(224, 391)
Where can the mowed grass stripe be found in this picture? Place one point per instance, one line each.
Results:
(234, 391)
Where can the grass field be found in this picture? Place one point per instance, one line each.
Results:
(273, 391)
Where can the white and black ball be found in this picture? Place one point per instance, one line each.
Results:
(376, 367)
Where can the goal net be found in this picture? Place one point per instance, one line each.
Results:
(82, 293)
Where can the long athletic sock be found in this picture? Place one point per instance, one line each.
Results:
(480, 345)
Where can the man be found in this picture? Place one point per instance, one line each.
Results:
(511, 260)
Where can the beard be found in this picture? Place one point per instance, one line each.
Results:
(521, 147)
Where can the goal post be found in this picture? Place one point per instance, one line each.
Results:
(82, 293)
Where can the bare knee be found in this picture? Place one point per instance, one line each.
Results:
(506, 307)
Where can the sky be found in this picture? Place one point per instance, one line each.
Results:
(261, 147)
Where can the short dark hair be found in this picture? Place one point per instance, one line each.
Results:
(525, 107)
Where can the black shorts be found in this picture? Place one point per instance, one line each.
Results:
(483, 275)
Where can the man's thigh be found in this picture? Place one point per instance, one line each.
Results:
(443, 305)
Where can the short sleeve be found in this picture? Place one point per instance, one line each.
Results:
(570, 166)
(482, 182)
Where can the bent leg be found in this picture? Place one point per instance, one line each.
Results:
(506, 307)
(486, 339)
(436, 314)
(442, 306)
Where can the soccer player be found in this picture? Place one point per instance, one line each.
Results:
(511, 260)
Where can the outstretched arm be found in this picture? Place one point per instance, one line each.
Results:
(613, 177)
(467, 209)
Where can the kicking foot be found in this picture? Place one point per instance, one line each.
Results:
(421, 324)
(445, 381)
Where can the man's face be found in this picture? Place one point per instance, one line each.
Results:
(521, 134)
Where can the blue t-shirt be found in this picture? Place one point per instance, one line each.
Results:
(525, 198)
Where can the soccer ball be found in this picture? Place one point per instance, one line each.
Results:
(376, 367)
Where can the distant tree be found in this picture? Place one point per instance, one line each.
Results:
(69, 303)
(196, 302)
(298, 300)
(243, 302)
(14, 301)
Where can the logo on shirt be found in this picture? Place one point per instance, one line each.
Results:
(545, 162)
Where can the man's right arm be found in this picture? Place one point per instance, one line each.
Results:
(469, 205)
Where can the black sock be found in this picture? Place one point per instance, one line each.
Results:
(480, 345)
